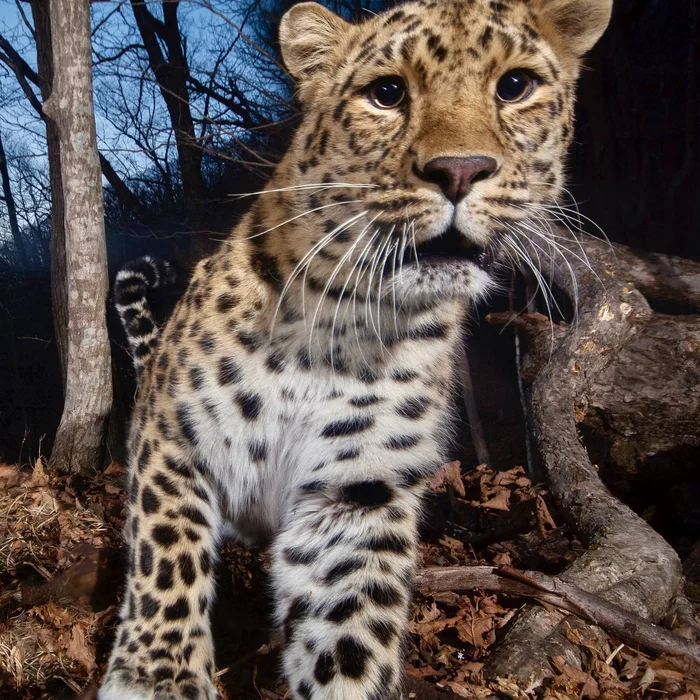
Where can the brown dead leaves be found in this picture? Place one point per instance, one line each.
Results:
(491, 492)
(448, 475)
(43, 518)
(62, 533)
(50, 541)
(450, 633)
(500, 490)
(48, 643)
(66, 633)
(624, 673)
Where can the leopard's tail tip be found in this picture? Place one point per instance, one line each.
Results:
(131, 288)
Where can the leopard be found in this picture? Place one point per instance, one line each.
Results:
(301, 392)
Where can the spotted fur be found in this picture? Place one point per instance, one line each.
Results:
(300, 392)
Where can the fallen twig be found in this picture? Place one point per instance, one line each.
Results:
(552, 590)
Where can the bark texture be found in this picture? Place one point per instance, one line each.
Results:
(627, 563)
(88, 385)
(661, 277)
(646, 405)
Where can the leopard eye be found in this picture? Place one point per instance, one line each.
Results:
(387, 93)
(515, 86)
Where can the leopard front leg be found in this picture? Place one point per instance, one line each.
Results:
(343, 571)
(163, 648)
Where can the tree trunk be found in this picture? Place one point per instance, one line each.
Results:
(88, 396)
(59, 294)
(11, 209)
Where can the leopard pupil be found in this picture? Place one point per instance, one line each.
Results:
(389, 93)
(513, 85)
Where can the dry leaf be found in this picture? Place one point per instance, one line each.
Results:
(448, 475)
(53, 614)
(78, 649)
(473, 631)
(544, 517)
(16, 661)
(501, 501)
(503, 559)
(646, 680)
(428, 613)
(114, 468)
(459, 690)
(9, 475)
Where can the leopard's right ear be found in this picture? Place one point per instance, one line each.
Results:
(308, 35)
(578, 23)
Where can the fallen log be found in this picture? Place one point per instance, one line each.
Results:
(661, 277)
(645, 406)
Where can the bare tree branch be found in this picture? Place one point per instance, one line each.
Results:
(9, 200)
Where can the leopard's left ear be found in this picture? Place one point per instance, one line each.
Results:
(579, 23)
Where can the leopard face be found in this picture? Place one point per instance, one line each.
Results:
(430, 136)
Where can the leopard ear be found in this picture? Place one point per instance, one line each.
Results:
(308, 34)
(578, 23)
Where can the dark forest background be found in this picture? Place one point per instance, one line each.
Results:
(193, 107)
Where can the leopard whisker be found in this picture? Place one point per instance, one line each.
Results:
(305, 262)
(574, 216)
(413, 241)
(347, 281)
(375, 263)
(336, 271)
(306, 186)
(324, 294)
(333, 233)
(382, 271)
(393, 287)
(556, 247)
(362, 269)
(522, 255)
(541, 218)
(299, 216)
(559, 247)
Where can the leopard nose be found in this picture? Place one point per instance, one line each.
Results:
(456, 175)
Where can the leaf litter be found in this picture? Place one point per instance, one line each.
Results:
(61, 552)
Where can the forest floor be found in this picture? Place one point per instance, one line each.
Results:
(61, 557)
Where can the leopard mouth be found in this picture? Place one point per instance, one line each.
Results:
(453, 246)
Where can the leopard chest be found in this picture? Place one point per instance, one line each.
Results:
(263, 429)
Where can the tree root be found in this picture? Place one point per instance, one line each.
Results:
(680, 617)
(627, 563)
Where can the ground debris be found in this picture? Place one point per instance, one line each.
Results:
(60, 553)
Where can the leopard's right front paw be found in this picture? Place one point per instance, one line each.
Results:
(123, 685)
(163, 683)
